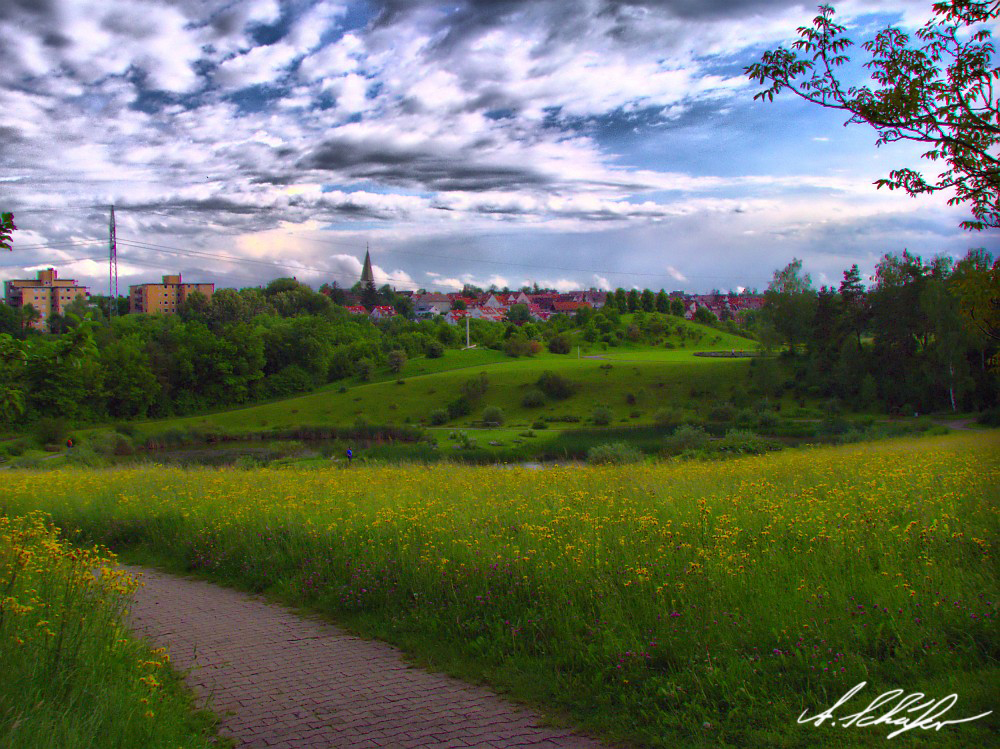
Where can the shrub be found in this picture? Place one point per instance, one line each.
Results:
(668, 417)
(434, 350)
(555, 385)
(474, 389)
(461, 406)
(686, 437)
(51, 429)
(533, 398)
(745, 442)
(364, 369)
(602, 416)
(615, 453)
(722, 412)
(438, 416)
(767, 419)
(560, 344)
(516, 347)
(493, 415)
(539, 424)
(990, 418)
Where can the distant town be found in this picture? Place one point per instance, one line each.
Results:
(49, 295)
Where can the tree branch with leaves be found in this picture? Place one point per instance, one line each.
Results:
(7, 228)
(937, 88)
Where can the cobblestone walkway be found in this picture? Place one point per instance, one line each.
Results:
(282, 681)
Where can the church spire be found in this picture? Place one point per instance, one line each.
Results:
(366, 273)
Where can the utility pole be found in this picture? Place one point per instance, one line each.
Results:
(112, 268)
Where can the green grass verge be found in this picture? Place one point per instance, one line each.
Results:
(73, 676)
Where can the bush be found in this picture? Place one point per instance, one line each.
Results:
(461, 406)
(745, 442)
(668, 417)
(539, 424)
(438, 416)
(686, 437)
(364, 368)
(560, 344)
(616, 453)
(555, 386)
(474, 389)
(516, 347)
(51, 429)
(493, 415)
(767, 419)
(602, 416)
(533, 398)
(434, 350)
(722, 412)
(990, 418)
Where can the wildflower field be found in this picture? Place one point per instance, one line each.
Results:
(691, 604)
(72, 676)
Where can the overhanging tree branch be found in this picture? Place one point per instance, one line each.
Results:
(940, 92)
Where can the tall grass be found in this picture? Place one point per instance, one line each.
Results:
(71, 674)
(693, 604)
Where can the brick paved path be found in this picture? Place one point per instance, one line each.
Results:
(282, 681)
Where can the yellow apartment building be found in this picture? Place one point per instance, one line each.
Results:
(164, 298)
(47, 293)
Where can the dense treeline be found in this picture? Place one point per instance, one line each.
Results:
(237, 347)
(246, 345)
(923, 337)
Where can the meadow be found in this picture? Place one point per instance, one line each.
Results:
(73, 676)
(666, 604)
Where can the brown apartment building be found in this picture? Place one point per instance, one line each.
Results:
(48, 294)
(164, 298)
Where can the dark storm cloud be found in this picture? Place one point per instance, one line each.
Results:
(418, 168)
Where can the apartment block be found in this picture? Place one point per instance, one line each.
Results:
(164, 298)
(47, 293)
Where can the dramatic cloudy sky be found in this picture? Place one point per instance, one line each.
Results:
(572, 143)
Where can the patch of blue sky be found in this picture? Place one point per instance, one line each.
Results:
(374, 188)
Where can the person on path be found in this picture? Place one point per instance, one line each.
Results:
(350, 456)
(69, 443)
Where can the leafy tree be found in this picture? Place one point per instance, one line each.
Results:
(677, 307)
(937, 89)
(518, 314)
(621, 300)
(12, 378)
(647, 301)
(396, 360)
(789, 302)
(130, 385)
(29, 316)
(977, 285)
(662, 302)
(7, 228)
(632, 300)
(705, 316)
(459, 304)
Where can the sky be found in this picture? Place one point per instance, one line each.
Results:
(568, 143)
